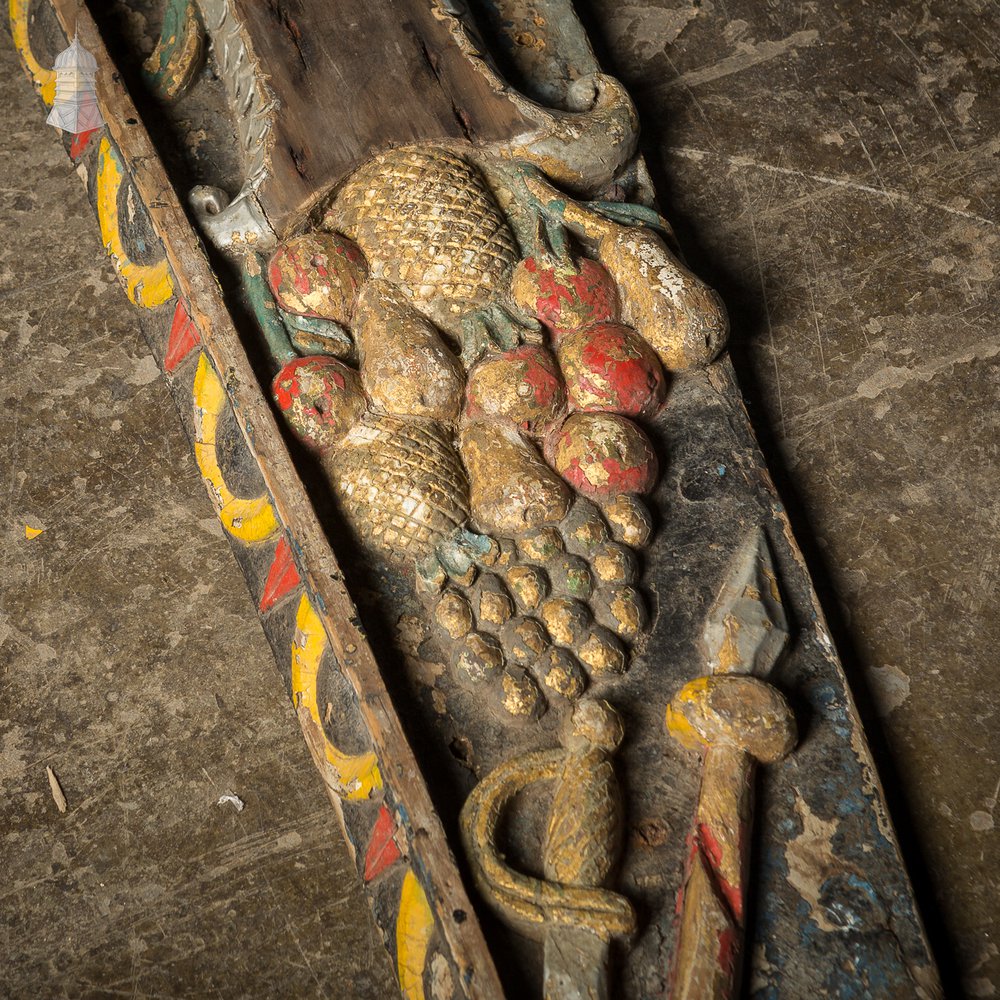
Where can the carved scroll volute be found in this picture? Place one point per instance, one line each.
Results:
(571, 909)
(735, 721)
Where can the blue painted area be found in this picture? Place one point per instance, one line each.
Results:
(849, 929)
(852, 903)
(872, 958)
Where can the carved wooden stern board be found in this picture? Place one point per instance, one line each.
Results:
(586, 826)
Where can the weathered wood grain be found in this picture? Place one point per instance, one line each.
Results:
(263, 438)
(376, 53)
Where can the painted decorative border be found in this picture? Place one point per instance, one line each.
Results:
(416, 895)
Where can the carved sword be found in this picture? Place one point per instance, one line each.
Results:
(733, 719)
(570, 908)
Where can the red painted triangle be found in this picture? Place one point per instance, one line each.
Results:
(383, 851)
(184, 337)
(282, 577)
(79, 143)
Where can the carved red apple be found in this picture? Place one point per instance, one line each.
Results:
(610, 367)
(321, 398)
(602, 455)
(564, 294)
(522, 387)
(317, 274)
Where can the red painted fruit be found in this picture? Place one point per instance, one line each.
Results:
(610, 367)
(321, 398)
(602, 455)
(522, 386)
(317, 274)
(565, 295)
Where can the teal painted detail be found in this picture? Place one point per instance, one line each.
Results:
(315, 335)
(172, 65)
(262, 306)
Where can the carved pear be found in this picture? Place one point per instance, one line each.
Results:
(511, 489)
(682, 318)
(406, 367)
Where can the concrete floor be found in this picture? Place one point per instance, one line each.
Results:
(132, 663)
(833, 170)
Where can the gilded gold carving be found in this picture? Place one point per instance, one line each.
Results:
(337, 270)
(734, 720)
(512, 489)
(630, 521)
(427, 223)
(486, 353)
(602, 652)
(582, 841)
(400, 483)
(473, 352)
(583, 834)
(454, 614)
(561, 673)
(529, 585)
(406, 368)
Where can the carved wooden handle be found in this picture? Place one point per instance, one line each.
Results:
(734, 720)
(520, 899)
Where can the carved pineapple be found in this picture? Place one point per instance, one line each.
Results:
(401, 484)
(427, 222)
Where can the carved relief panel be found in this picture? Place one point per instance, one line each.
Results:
(509, 399)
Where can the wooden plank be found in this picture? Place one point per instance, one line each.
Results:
(200, 288)
(370, 55)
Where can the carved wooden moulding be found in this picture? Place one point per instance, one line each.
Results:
(468, 420)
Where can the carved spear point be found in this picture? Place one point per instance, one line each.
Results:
(734, 721)
(747, 630)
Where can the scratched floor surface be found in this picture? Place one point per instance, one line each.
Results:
(834, 170)
(131, 661)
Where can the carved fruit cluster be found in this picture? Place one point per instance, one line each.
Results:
(574, 397)
(506, 472)
(545, 613)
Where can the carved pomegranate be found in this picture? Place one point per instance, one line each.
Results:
(522, 387)
(564, 295)
(317, 274)
(321, 398)
(602, 455)
(610, 367)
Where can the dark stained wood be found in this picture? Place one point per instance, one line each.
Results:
(371, 54)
